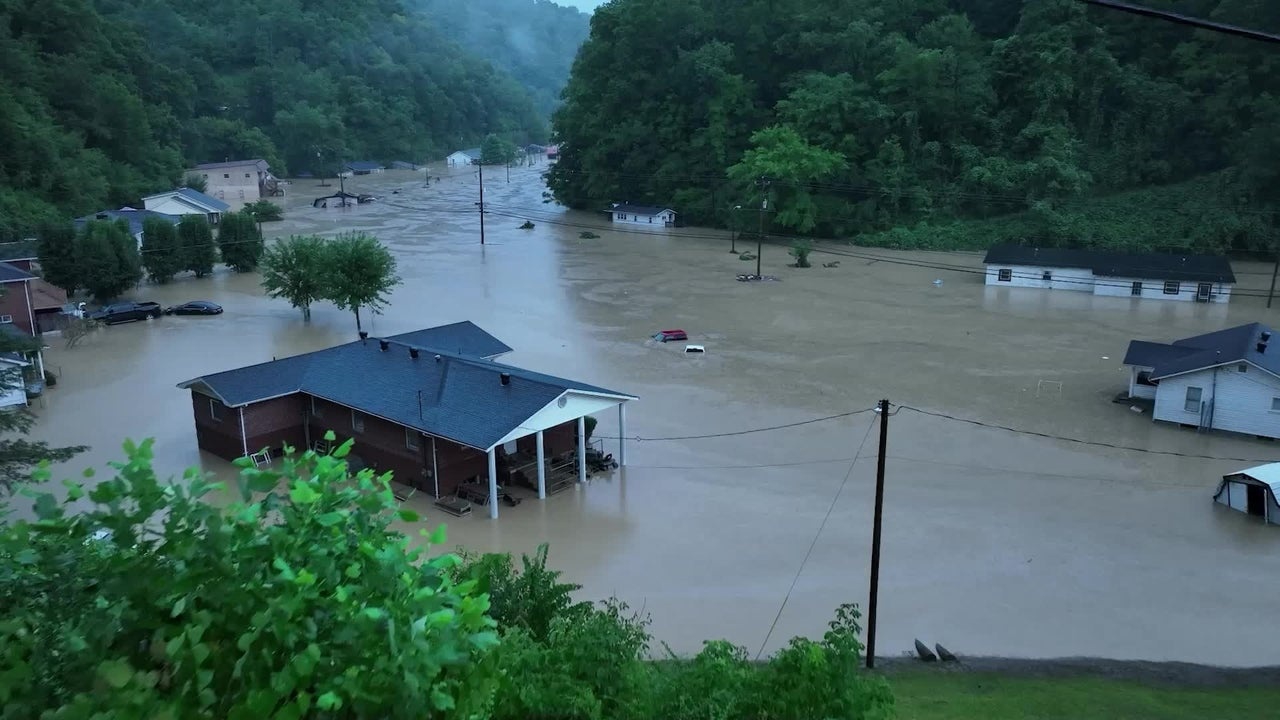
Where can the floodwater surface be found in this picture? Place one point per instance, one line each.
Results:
(995, 542)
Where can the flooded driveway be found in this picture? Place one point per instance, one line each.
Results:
(995, 542)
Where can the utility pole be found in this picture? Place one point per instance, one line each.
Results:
(508, 171)
(763, 184)
(883, 412)
(481, 203)
(733, 230)
(1275, 251)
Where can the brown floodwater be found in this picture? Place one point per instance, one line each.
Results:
(994, 542)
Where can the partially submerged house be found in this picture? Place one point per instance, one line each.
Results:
(239, 182)
(40, 300)
(1252, 491)
(340, 199)
(134, 217)
(1224, 380)
(460, 158)
(432, 406)
(364, 167)
(185, 201)
(642, 215)
(402, 165)
(1156, 276)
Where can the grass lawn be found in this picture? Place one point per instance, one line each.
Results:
(978, 696)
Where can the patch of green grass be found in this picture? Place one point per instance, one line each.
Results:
(977, 696)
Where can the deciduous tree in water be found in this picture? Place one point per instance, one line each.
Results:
(294, 269)
(195, 240)
(360, 272)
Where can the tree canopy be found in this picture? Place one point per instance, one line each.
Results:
(873, 116)
(106, 101)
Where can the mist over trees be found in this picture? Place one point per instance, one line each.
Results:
(105, 101)
(935, 123)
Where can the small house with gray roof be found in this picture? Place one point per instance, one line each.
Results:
(1149, 276)
(433, 406)
(1224, 380)
(647, 215)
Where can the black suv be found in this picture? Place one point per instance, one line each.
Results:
(126, 312)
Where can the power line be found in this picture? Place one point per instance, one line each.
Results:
(1181, 19)
(735, 433)
(1063, 438)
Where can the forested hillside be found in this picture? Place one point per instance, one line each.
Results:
(925, 117)
(532, 40)
(102, 101)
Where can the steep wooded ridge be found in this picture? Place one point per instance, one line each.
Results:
(914, 123)
(534, 41)
(103, 101)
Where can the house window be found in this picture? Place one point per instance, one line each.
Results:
(246, 174)
(1275, 404)
(6, 319)
(1172, 287)
(1242, 367)
(1046, 275)
(1144, 378)
(226, 175)
(412, 440)
(357, 421)
(1136, 290)
(215, 413)
(1192, 403)
(1005, 275)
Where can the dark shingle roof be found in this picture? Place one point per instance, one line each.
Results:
(10, 273)
(258, 163)
(1149, 266)
(135, 218)
(463, 338)
(441, 392)
(364, 165)
(1236, 344)
(640, 209)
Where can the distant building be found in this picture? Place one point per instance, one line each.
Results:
(643, 215)
(340, 199)
(553, 152)
(1224, 380)
(460, 158)
(402, 165)
(44, 303)
(239, 182)
(133, 216)
(364, 167)
(1157, 276)
(185, 201)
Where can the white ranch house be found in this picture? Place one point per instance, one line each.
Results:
(185, 201)
(461, 158)
(643, 215)
(1152, 276)
(1224, 380)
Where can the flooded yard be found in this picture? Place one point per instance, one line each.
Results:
(995, 543)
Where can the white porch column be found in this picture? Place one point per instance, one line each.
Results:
(493, 484)
(622, 434)
(542, 469)
(582, 449)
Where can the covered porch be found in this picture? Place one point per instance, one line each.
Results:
(521, 456)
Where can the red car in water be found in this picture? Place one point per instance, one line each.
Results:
(669, 335)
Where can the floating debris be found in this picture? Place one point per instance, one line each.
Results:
(527, 225)
(588, 235)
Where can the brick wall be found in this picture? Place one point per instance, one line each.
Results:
(381, 444)
(217, 427)
(273, 423)
(562, 438)
(15, 303)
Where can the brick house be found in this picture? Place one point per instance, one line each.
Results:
(432, 406)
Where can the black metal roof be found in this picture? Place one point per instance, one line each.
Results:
(442, 392)
(1232, 345)
(1148, 266)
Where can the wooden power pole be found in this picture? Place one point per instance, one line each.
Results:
(872, 602)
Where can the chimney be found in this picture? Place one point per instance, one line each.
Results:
(1265, 336)
(383, 345)
(363, 336)
(413, 353)
(437, 358)
(505, 378)
(1262, 348)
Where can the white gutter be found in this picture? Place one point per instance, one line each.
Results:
(244, 440)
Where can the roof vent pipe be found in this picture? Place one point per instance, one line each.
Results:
(364, 335)
(505, 378)
(413, 353)
(1265, 336)
(437, 358)
(383, 345)
(1262, 348)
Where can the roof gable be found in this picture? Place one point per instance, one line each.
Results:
(11, 273)
(642, 209)
(257, 163)
(1231, 345)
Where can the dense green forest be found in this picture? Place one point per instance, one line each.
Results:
(103, 101)
(532, 40)
(938, 123)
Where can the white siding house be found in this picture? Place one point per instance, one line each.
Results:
(643, 215)
(185, 201)
(238, 182)
(1226, 380)
(1156, 276)
(462, 158)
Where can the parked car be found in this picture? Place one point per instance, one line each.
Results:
(669, 335)
(126, 312)
(195, 307)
